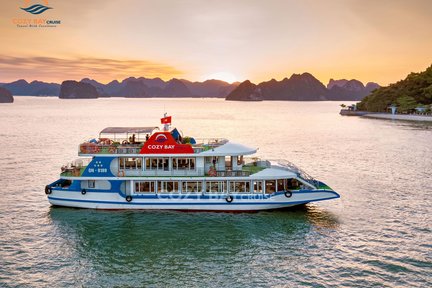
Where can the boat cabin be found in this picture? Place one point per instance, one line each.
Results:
(186, 164)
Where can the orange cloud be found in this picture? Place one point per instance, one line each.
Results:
(101, 69)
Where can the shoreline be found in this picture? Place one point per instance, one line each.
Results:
(407, 117)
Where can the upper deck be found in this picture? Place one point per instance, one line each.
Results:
(109, 147)
(149, 140)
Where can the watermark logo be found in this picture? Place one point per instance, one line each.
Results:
(36, 9)
(31, 22)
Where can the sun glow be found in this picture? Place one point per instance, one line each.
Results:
(224, 76)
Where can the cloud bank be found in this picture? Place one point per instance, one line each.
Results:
(101, 69)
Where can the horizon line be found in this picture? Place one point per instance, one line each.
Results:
(195, 81)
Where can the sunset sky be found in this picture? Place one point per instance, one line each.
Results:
(369, 40)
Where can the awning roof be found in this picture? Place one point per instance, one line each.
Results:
(115, 130)
(272, 173)
(229, 149)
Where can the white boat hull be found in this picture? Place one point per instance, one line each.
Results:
(201, 202)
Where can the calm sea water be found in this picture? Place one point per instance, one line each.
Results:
(379, 233)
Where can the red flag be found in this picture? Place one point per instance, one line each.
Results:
(166, 120)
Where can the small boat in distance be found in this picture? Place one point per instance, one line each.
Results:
(148, 168)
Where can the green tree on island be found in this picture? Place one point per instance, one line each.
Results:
(416, 86)
(428, 91)
(406, 103)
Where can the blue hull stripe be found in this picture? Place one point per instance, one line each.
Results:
(190, 203)
(202, 196)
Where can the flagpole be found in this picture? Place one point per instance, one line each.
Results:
(166, 125)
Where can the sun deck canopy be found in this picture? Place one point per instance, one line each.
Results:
(128, 130)
(229, 149)
(272, 173)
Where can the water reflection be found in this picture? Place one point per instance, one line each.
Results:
(404, 124)
(321, 218)
(152, 239)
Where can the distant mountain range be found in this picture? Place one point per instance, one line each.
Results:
(299, 87)
(302, 87)
(35, 88)
(129, 87)
(144, 87)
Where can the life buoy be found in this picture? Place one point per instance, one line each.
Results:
(83, 191)
(48, 190)
(288, 194)
(129, 198)
(212, 172)
(229, 199)
(121, 174)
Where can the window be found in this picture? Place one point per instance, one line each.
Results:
(240, 186)
(192, 187)
(154, 163)
(240, 160)
(293, 184)
(216, 187)
(157, 164)
(281, 184)
(168, 187)
(91, 183)
(270, 186)
(184, 163)
(211, 160)
(228, 162)
(163, 164)
(258, 187)
(130, 163)
(145, 187)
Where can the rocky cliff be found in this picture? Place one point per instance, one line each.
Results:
(340, 83)
(5, 96)
(299, 87)
(133, 88)
(246, 91)
(77, 90)
(352, 90)
(210, 88)
(303, 87)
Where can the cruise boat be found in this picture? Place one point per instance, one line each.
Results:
(152, 168)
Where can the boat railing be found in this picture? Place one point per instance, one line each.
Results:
(204, 144)
(294, 168)
(135, 148)
(73, 171)
(146, 172)
(98, 148)
(232, 173)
